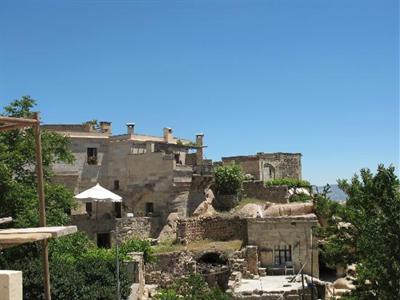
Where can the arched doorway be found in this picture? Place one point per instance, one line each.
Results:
(268, 172)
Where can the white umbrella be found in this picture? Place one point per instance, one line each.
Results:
(98, 194)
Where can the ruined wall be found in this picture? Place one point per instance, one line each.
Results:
(267, 166)
(268, 233)
(169, 266)
(257, 189)
(138, 227)
(285, 165)
(214, 228)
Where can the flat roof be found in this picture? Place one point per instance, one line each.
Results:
(260, 155)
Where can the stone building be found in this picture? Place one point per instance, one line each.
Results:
(155, 175)
(268, 166)
(283, 240)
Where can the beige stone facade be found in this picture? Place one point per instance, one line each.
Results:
(155, 176)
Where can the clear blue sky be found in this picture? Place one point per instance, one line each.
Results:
(318, 77)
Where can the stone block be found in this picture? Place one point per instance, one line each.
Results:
(10, 285)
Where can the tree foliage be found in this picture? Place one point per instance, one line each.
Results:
(366, 231)
(18, 194)
(191, 288)
(228, 179)
(136, 245)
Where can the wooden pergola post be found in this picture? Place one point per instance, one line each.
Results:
(42, 205)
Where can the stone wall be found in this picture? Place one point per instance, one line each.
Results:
(213, 228)
(138, 227)
(92, 226)
(284, 165)
(267, 166)
(169, 266)
(249, 164)
(257, 189)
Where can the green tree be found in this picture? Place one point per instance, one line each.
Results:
(366, 231)
(18, 196)
(228, 179)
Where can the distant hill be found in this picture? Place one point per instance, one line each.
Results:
(335, 194)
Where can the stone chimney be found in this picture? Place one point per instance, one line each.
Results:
(105, 127)
(130, 128)
(199, 152)
(168, 137)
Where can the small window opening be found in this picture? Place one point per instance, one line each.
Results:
(118, 209)
(149, 208)
(104, 240)
(89, 208)
(116, 185)
(283, 254)
(92, 156)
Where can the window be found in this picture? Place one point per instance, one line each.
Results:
(103, 240)
(89, 208)
(282, 254)
(116, 185)
(149, 208)
(92, 156)
(138, 149)
(118, 209)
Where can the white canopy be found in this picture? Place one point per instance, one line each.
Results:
(98, 193)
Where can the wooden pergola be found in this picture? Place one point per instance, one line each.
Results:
(12, 237)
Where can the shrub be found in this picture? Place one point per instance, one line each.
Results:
(79, 269)
(290, 182)
(300, 198)
(228, 179)
(136, 245)
(191, 288)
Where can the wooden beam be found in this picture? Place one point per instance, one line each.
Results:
(11, 120)
(5, 220)
(13, 126)
(55, 231)
(21, 238)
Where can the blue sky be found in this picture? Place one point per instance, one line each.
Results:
(318, 77)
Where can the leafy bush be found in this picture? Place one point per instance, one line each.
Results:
(228, 179)
(79, 270)
(300, 198)
(290, 182)
(191, 288)
(136, 245)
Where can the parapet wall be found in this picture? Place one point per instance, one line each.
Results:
(257, 189)
(213, 228)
